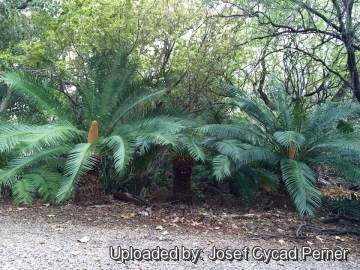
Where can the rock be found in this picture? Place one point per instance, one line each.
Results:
(161, 195)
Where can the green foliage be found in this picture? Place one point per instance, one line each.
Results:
(115, 96)
(263, 142)
(344, 207)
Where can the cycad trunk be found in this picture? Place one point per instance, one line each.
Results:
(182, 169)
(89, 190)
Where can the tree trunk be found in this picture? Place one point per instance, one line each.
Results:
(89, 190)
(182, 169)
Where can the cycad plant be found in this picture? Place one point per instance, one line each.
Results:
(288, 142)
(50, 159)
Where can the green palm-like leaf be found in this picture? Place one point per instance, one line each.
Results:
(262, 114)
(290, 138)
(136, 101)
(266, 177)
(299, 180)
(23, 191)
(192, 146)
(284, 110)
(250, 153)
(221, 166)
(243, 131)
(51, 135)
(39, 94)
(80, 160)
(229, 148)
(18, 164)
(12, 135)
(43, 181)
(145, 140)
(47, 182)
(121, 149)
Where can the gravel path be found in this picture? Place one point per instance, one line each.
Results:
(28, 244)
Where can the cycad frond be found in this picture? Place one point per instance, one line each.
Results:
(145, 140)
(40, 180)
(290, 138)
(266, 177)
(39, 94)
(18, 164)
(79, 161)
(250, 154)
(341, 165)
(192, 146)
(13, 134)
(262, 114)
(326, 116)
(283, 109)
(143, 124)
(135, 101)
(230, 148)
(47, 182)
(221, 166)
(23, 191)
(299, 181)
(54, 134)
(242, 131)
(121, 149)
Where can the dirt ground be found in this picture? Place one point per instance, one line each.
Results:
(278, 226)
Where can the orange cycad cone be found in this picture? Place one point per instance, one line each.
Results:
(89, 189)
(291, 152)
(93, 132)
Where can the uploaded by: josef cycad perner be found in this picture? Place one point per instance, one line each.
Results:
(240, 254)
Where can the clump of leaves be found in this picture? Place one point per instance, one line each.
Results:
(114, 95)
(260, 146)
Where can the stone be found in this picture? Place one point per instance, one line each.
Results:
(161, 195)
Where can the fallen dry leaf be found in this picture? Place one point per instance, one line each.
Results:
(159, 227)
(234, 226)
(217, 228)
(281, 241)
(339, 238)
(319, 238)
(143, 267)
(165, 233)
(96, 258)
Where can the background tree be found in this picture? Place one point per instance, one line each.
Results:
(324, 31)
